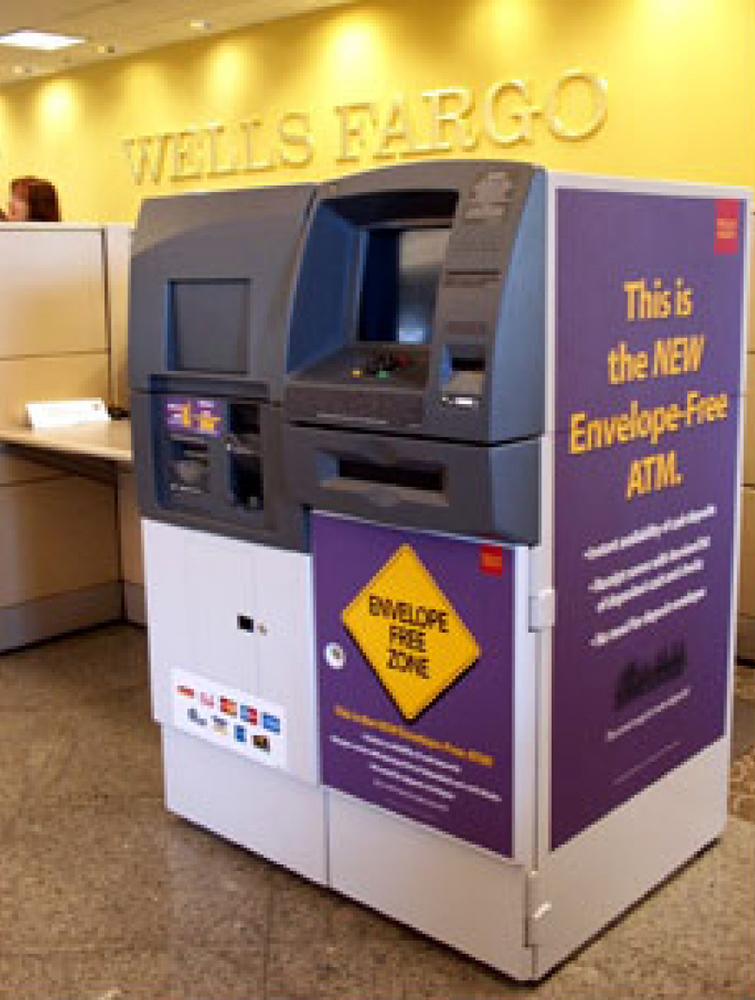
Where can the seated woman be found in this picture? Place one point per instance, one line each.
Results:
(33, 199)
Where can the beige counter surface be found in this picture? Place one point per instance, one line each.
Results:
(110, 440)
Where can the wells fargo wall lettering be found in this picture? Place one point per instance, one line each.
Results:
(450, 119)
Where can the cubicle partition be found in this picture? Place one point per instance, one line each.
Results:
(62, 332)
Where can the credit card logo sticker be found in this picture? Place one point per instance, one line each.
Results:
(231, 719)
(262, 742)
(410, 634)
(271, 722)
(196, 718)
(229, 707)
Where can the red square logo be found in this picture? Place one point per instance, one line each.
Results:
(491, 560)
(727, 226)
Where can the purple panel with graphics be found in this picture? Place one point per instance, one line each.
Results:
(450, 767)
(647, 360)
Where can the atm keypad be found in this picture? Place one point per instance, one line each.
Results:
(383, 365)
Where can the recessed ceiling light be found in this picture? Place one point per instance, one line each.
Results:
(199, 25)
(45, 41)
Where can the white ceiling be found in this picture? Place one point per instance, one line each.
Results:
(126, 26)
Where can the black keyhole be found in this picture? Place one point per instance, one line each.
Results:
(245, 623)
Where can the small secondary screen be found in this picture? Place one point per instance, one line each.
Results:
(208, 325)
(400, 284)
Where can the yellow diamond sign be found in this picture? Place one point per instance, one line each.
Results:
(409, 633)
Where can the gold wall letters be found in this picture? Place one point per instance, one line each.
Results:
(441, 120)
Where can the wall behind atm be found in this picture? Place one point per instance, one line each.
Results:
(680, 73)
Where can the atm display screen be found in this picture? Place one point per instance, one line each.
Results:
(400, 278)
(208, 325)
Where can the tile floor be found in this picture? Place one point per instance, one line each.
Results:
(103, 896)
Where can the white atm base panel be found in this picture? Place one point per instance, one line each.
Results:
(460, 895)
(524, 923)
(260, 808)
(598, 875)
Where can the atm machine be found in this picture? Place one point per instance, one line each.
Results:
(439, 467)
(228, 574)
(519, 447)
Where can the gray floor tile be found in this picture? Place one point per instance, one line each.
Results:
(190, 973)
(432, 972)
(30, 759)
(744, 681)
(65, 673)
(627, 975)
(40, 976)
(104, 877)
(321, 969)
(742, 787)
(109, 751)
(701, 923)
(742, 726)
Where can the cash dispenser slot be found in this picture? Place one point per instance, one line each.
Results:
(246, 481)
(244, 450)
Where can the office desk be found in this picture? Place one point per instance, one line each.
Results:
(95, 450)
(109, 440)
(72, 540)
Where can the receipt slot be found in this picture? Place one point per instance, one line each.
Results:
(228, 572)
(520, 447)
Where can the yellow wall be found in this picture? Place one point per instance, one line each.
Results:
(681, 91)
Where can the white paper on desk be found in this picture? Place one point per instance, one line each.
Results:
(65, 412)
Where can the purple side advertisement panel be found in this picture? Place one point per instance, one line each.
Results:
(415, 646)
(647, 362)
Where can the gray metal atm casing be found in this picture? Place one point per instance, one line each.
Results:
(236, 253)
(451, 441)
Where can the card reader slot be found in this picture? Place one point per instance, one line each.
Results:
(244, 418)
(461, 364)
(465, 368)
